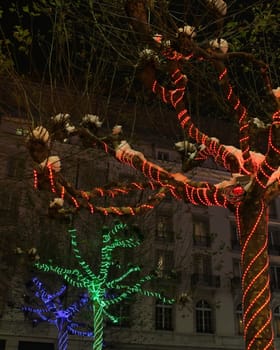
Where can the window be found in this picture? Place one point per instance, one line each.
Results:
(239, 319)
(2, 344)
(122, 312)
(276, 314)
(164, 319)
(275, 276)
(161, 155)
(9, 206)
(164, 227)
(15, 167)
(202, 264)
(201, 235)
(26, 345)
(22, 132)
(203, 317)
(164, 262)
(236, 271)
(236, 268)
(273, 210)
(202, 272)
(274, 240)
(234, 236)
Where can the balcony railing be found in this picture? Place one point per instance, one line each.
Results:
(205, 280)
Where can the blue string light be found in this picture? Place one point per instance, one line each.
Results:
(54, 313)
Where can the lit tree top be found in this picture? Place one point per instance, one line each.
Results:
(103, 291)
(254, 177)
(54, 312)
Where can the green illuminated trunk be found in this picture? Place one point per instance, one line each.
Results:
(253, 223)
(98, 319)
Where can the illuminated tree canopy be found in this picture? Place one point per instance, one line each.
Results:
(254, 178)
(54, 313)
(103, 291)
(203, 60)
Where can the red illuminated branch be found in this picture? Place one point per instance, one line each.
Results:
(179, 186)
(77, 199)
(241, 112)
(208, 196)
(75, 205)
(175, 97)
(270, 165)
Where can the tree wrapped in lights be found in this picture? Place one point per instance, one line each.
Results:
(254, 177)
(54, 313)
(99, 285)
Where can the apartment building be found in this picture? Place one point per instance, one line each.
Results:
(193, 250)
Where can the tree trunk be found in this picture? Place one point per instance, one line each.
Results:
(252, 222)
(62, 340)
(98, 326)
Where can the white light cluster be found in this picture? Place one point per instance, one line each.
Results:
(220, 44)
(125, 152)
(189, 30)
(40, 133)
(220, 5)
(53, 162)
(57, 202)
(276, 92)
(61, 118)
(92, 118)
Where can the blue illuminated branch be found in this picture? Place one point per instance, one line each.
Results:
(54, 313)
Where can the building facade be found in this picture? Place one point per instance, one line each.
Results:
(194, 252)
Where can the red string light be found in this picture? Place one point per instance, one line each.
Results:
(175, 72)
(236, 105)
(91, 208)
(146, 206)
(75, 202)
(116, 210)
(154, 86)
(246, 291)
(256, 336)
(251, 234)
(230, 91)
(100, 191)
(137, 185)
(35, 179)
(258, 310)
(243, 115)
(262, 185)
(62, 192)
(105, 146)
(223, 74)
(51, 178)
(256, 298)
(105, 211)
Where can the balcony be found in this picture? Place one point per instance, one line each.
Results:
(205, 280)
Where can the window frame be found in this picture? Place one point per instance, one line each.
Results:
(203, 317)
(201, 236)
(164, 317)
(276, 321)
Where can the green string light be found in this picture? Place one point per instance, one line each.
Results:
(98, 285)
